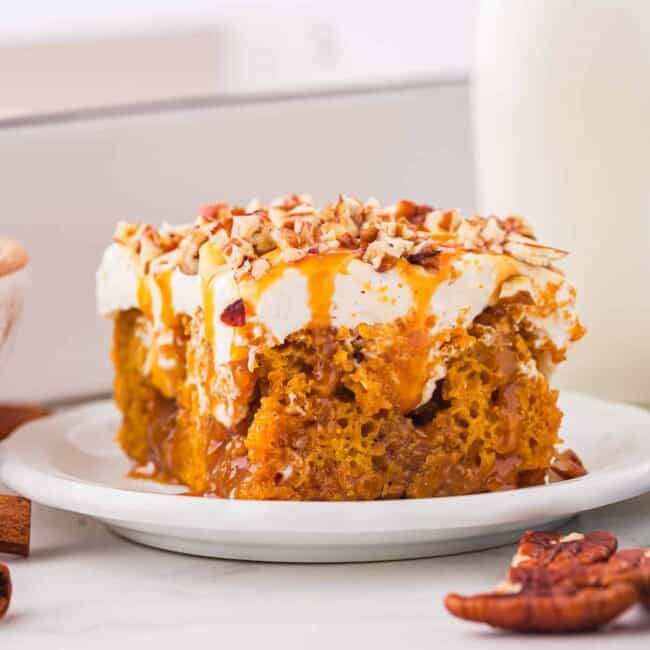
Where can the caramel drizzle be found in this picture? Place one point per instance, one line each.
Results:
(163, 321)
(144, 297)
(210, 260)
(321, 273)
(208, 308)
(423, 285)
(164, 282)
(411, 371)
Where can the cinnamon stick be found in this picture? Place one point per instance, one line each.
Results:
(5, 589)
(13, 415)
(15, 525)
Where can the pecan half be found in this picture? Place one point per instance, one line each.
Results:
(539, 601)
(553, 550)
(633, 564)
(566, 465)
(558, 583)
(5, 589)
(234, 314)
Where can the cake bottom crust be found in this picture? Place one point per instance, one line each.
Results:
(331, 420)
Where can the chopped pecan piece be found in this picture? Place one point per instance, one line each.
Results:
(492, 232)
(259, 268)
(5, 589)
(347, 241)
(15, 524)
(287, 237)
(387, 263)
(214, 211)
(412, 212)
(429, 258)
(566, 465)
(528, 251)
(189, 251)
(234, 314)
(291, 201)
(449, 220)
(517, 224)
(368, 232)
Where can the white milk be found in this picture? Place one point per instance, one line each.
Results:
(562, 121)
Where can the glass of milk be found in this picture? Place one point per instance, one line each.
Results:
(561, 103)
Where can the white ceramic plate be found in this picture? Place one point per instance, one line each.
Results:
(70, 461)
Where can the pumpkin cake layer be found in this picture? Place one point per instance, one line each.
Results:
(354, 352)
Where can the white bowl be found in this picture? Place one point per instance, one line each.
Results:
(14, 278)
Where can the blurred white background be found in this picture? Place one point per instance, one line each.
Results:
(73, 54)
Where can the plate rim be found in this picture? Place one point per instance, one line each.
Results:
(20, 472)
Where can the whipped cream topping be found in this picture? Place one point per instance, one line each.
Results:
(361, 294)
(117, 281)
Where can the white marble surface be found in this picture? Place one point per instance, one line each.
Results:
(85, 588)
